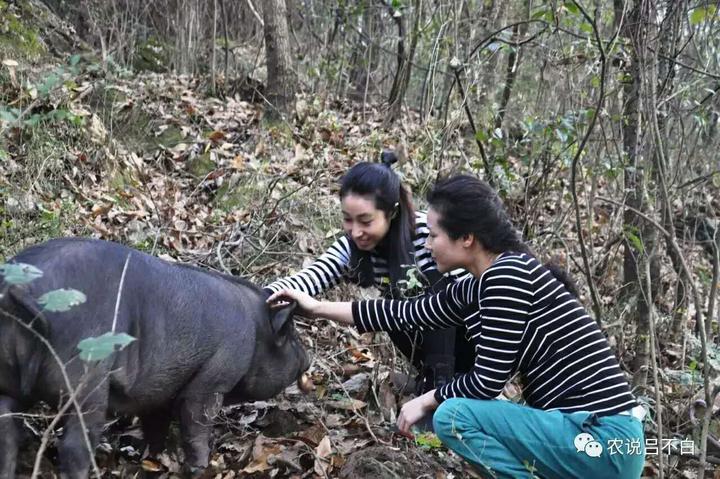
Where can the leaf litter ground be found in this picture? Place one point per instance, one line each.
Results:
(212, 184)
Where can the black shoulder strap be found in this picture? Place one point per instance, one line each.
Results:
(361, 272)
(360, 269)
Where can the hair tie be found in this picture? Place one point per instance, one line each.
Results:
(388, 157)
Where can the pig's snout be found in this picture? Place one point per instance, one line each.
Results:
(305, 384)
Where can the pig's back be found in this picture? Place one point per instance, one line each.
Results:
(180, 316)
(183, 319)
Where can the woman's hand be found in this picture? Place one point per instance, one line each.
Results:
(307, 305)
(312, 308)
(414, 410)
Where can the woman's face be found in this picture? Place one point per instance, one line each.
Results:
(449, 254)
(363, 222)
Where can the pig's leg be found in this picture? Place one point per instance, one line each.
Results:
(73, 450)
(9, 437)
(155, 427)
(196, 416)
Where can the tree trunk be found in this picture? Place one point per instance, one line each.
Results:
(280, 76)
(669, 41)
(404, 63)
(187, 26)
(513, 64)
(214, 49)
(366, 54)
(639, 237)
(630, 126)
(458, 42)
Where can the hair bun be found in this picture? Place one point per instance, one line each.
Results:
(388, 157)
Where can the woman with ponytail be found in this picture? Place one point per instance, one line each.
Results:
(579, 418)
(384, 239)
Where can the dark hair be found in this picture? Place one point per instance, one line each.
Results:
(380, 182)
(468, 205)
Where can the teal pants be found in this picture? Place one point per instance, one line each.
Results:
(503, 439)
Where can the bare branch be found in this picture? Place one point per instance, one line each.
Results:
(597, 307)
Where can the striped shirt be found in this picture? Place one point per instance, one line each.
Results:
(524, 322)
(334, 265)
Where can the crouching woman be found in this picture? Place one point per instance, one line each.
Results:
(579, 418)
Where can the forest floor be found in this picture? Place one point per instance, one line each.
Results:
(160, 163)
(157, 163)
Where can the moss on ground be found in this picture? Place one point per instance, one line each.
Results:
(125, 120)
(19, 40)
(152, 55)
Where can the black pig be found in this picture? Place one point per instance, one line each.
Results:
(203, 339)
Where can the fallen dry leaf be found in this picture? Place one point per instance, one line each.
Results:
(262, 449)
(322, 453)
(216, 136)
(238, 163)
(361, 355)
(151, 465)
(100, 209)
(347, 404)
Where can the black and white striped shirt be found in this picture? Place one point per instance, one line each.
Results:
(334, 264)
(524, 322)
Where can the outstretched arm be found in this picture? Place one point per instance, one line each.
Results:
(445, 309)
(440, 311)
(312, 308)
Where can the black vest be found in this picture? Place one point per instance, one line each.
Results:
(361, 272)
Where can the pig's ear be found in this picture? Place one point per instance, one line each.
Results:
(280, 317)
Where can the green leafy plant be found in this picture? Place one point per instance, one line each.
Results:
(701, 14)
(62, 300)
(632, 234)
(41, 93)
(99, 348)
(19, 273)
(428, 440)
(411, 286)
